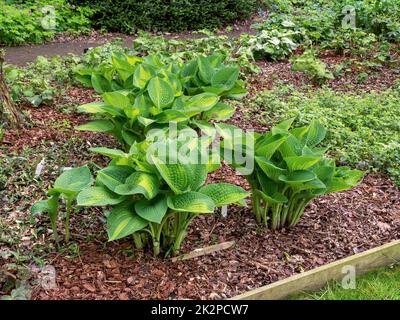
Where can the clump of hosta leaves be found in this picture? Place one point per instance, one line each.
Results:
(66, 187)
(154, 200)
(271, 44)
(312, 67)
(290, 171)
(140, 94)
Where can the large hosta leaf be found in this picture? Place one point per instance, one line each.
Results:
(100, 84)
(224, 193)
(139, 183)
(291, 147)
(198, 175)
(113, 176)
(152, 210)
(98, 196)
(206, 70)
(200, 103)
(111, 153)
(116, 99)
(170, 115)
(316, 133)
(194, 202)
(97, 126)
(122, 222)
(301, 162)
(267, 145)
(161, 92)
(92, 107)
(225, 78)
(344, 179)
(219, 112)
(72, 181)
(177, 176)
(269, 168)
(298, 177)
(275, 198)
(142, 75)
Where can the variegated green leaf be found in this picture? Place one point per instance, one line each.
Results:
(224, 193)
(122, 222)
(98, 196)
(194, 202)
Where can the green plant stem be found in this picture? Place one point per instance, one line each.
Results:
(185, 222)
(67, 219)
(137, 239)
(256, 207)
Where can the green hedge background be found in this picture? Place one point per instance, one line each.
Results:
(166, 15)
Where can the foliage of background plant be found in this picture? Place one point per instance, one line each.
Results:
(164, 15)
(20, 21)
(320, 21)
(233, 50)
(312, 67)
(363, 128)
(38, 82)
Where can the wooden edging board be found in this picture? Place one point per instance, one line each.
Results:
(317, 278)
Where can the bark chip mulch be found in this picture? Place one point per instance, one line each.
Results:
(333, 227)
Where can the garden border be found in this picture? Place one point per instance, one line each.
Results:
(316, 278)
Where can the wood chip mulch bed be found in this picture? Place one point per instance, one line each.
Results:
(333, 227)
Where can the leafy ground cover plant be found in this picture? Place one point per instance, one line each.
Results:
(290, 171)
(363, 128)
(140, 94)
(36, 21)
(321, 23)
(312, 67)
(38, 82)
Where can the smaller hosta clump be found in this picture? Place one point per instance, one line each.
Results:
(271, 44)
(67, 186)
(313, 68)
(155, 200)
(290, 171)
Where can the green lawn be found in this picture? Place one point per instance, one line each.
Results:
(382, 284)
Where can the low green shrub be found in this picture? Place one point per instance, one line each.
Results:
(164, 15)
(363, 128)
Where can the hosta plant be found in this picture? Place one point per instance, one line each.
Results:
(154, 200)
(66, 187)
(140, 94)
(271, 44)
(290, 171)
(313, 68)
